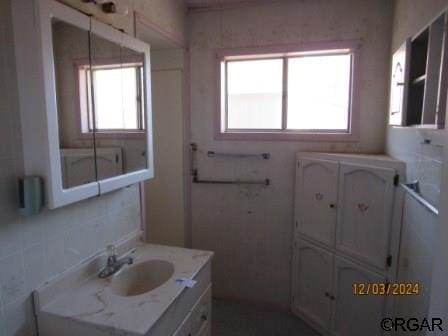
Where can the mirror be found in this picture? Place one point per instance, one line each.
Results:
(117, 74)
(101, 103)
(71, 58)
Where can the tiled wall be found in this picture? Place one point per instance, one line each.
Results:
(423, 160)
(416, 258)
(424, 163)
(35, 249)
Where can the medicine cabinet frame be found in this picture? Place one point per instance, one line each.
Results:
(37, 94)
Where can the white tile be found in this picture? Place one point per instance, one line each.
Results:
(93, 208)
(12, 278)
(74, 247)
(91, 236)
(32, 230)
(10, 237)
(34, 263)
(19, 319)
(5, 126)
(58, 222)
(77, 246)
(54, 257)
(126, 221)
(2, 322)
(8, 183)
(100, 237)
(115, 201)
(1, 300)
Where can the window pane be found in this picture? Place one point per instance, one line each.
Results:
(254, 94)
(319, 92)
(116, 99)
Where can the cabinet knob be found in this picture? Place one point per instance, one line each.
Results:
(204, 317)
(328, 295)
(332, 206)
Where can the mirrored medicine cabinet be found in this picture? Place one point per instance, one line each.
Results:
(95, 109)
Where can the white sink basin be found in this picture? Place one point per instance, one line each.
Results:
(142, 277)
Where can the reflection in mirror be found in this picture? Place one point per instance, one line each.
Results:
(118, 120)
(71, 48)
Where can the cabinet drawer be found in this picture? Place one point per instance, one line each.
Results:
(205, 330)
(201, 312)
(185, 327)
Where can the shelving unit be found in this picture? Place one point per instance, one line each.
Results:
(418, 83)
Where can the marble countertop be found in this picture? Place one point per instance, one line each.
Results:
(90, 300)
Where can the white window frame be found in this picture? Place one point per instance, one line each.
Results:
(222, 132)
(83, 87)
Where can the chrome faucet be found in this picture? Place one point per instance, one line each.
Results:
(114, 264)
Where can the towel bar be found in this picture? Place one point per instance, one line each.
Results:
(264, 156)
(413, 189)
(265, 182)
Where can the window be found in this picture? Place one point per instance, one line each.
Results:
(290, 94)
(117, 91)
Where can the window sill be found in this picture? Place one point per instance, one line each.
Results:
(114, 135)
(286, 136)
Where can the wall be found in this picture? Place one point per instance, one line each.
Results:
(439, 292)
(35, 249)
(167, 16)
(165, 195)
(416, 258)
(250, 227)
(423, 162)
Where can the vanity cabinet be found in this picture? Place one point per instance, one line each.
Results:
(347, 229)
(85, 102)
(79, 302)
(197, 322)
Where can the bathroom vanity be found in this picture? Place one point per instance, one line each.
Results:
(146, 298)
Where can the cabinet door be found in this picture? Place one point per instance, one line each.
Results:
(355, 315)
(312, 283)
(399, 85)
(316, 192)
(366, 196)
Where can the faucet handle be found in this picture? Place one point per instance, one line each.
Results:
(111, 253)
(111, 250)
